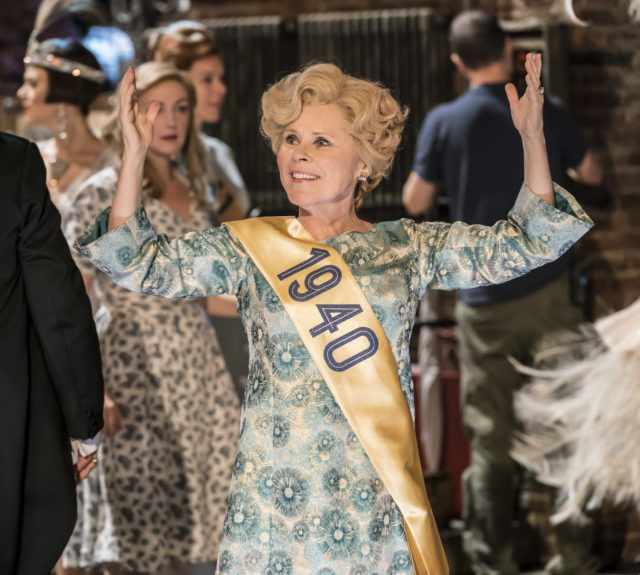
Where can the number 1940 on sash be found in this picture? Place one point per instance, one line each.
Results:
(346, 349)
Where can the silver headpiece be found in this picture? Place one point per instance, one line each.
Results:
(36, 56)
(49, 13)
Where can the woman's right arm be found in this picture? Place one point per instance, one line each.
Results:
(137, 133)
(195, 265)
(133, 255)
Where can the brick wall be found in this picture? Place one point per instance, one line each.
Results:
(604, 66)
(605, 95)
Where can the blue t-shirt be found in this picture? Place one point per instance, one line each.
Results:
(472, 147)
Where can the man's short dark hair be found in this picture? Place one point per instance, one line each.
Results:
(477, 38)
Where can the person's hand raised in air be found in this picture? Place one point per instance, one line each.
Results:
(526, 111)
(137, 135)
(137, 124)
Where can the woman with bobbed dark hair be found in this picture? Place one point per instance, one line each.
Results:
(192, 47)
(61, 80)
(69, 85)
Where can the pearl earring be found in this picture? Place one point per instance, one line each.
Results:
(363, 177)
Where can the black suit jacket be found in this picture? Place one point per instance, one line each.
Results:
(50, 371)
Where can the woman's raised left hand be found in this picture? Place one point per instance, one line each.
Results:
(526, 112)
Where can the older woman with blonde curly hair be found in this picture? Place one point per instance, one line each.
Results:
(327, 480)
(375, 119)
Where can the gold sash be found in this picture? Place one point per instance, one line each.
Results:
(350, 349)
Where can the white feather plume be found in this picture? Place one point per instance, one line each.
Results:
(581, 421)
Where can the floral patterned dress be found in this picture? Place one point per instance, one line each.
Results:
(161, 487)
(305, 498)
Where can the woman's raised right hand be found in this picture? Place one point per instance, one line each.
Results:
(137, 135)
(137, 125)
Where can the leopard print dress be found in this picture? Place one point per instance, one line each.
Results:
(161, 486)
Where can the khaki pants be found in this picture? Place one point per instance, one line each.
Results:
(487, 336)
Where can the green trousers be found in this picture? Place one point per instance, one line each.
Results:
(487, 336)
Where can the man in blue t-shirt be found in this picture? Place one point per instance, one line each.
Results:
(471, 149)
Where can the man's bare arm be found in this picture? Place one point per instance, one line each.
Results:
(418, 195)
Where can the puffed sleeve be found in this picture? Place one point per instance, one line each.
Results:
(59, 305)
(198, 264)
(458, 255)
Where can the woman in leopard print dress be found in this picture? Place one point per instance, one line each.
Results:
(159, 497)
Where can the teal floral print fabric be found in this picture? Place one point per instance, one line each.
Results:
(304, 498)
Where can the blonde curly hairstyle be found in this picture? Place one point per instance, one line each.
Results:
(376, 120)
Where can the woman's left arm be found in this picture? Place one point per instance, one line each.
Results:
(526, 113)
(197, 264)
(462, 256)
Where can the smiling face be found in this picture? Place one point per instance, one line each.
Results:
(172, 124)
(33, 95)
(318, 160)
(207, 75)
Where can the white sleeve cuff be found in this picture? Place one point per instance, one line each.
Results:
(86, 447)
